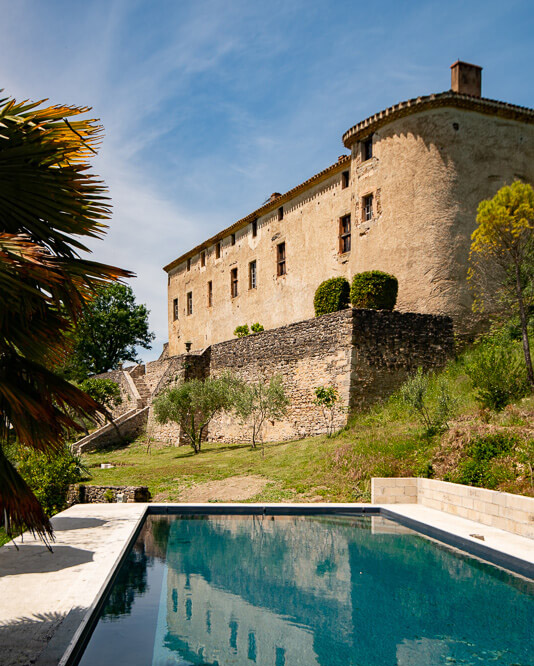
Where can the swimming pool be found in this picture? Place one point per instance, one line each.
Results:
(307, 590)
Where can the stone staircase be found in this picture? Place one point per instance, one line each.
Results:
(143, 390)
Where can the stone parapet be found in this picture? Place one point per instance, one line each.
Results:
(506, 511)
(79, 493)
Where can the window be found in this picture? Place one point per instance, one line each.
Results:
(189, 302)
(189, 264)
(344, 234)
(368, 208)
(233, 282)
(210, 294)
(175, 309)
(254, 228)
(252, 282)
(345, 179)
(218, 251)
(281, 213)
(367, 149)
(281, 259)
(202, 259)
(233, 239)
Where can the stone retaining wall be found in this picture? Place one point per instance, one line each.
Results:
(129, 425)
(82, 494)
(513, 513)
(365, 354)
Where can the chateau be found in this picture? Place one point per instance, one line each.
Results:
(403, 201)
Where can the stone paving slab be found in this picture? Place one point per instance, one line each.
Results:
(44, 596)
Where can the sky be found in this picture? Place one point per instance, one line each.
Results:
(209, 106)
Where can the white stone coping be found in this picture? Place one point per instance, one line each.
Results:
(48, 600)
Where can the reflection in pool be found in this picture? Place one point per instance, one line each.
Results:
(310, 591)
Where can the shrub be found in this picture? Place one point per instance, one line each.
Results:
(331, 295)
(486, 464)
(498, 374)
(327, 398)
(432, 405)
(49, 477)
(374, 290)
(257, 328)
(104, 391)
(242, 331)
(109, 496)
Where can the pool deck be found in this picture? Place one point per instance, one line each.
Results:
(46, 598)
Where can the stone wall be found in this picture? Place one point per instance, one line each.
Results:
(365, 354)
(505, 511)
(79, 493)
(129, 426)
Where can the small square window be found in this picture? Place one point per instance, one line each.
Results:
(367, 148)
(232, 239)
(281, 213)
(233, 283)
(281, 259)
(189, 264)
(210, 294)
(367, 206)
(345, 179)
(252, 276)
(175, 309)
(254, 228)
(344, 234)
(218, 251)
(202, 259)
(189, 302)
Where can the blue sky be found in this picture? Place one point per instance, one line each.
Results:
(210, 106)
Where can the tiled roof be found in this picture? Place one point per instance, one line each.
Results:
(266, 208)
(444, 99)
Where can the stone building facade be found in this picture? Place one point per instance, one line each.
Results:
(403, 200)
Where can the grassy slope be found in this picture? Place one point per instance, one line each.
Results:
(384, 441)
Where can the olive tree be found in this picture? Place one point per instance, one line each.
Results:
(193, 404)
(258, 401)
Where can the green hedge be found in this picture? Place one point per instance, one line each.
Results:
(331, 295)
(374, 290)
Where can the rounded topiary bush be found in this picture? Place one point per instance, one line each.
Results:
(374, 290)
(331, 295)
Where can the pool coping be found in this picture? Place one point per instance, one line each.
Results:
(503, 549)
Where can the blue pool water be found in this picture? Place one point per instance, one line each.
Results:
(314, 590)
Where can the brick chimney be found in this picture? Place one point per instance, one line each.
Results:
(466, 79)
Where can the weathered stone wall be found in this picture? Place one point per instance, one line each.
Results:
(79, 493)
(365, 354)
(128, 400)
(129, 425)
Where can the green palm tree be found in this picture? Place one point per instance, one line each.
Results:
(48, 204)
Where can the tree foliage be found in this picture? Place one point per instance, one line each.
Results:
(260, 401)
(502, 255)
(193, 404)
(104, 391)
(48, 204)
(111, 328)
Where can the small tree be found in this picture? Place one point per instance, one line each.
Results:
(327, 398)
(260, 401)
(434, 411)
(193, 404)
(105, 391)
(502, 254)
